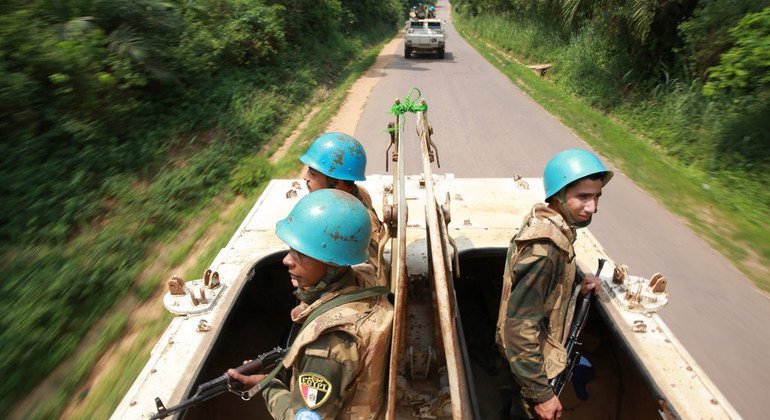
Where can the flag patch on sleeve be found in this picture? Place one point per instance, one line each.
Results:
(315, 389)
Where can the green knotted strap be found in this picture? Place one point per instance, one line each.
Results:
(409, 104)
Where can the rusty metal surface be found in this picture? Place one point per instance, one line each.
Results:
(398, 272)
(446, 302)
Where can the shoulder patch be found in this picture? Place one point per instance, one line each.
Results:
(305, 414)
(539, 250)
(315, 389)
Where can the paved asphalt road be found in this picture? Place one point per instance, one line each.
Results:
(486, 127)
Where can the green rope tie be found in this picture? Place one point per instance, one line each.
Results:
(409, 104)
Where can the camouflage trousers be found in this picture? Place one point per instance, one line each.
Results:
(513, 405)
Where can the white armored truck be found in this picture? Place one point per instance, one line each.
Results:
(424, 36)
(442, 258)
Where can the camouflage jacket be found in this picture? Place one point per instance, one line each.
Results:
(362, 194)
(538, 301)
(339, 359)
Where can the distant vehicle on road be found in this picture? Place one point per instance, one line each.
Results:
(424, 36)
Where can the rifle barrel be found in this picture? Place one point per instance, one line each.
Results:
(576, 327)
(214, 387)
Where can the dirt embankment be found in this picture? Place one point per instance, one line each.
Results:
(346, 120)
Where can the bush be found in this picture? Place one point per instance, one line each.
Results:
(745, 68)
(705, 35)
(250, 173)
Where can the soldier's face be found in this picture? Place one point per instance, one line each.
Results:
(305, 271)
(315, 180)
(583, 199)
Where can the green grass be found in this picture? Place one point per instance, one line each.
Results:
(181, 252)
(744, 237)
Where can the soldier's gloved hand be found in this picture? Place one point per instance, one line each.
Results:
(590, 283)
(549, 410)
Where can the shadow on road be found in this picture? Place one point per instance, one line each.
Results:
(414, 63)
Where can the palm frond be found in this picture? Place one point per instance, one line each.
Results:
(123, 41)
(569, 9)
(642, 16)
(76, 26)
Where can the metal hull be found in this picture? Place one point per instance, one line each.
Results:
(641, 372)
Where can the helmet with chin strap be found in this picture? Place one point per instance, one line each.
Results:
(329, 225)
(337, 155)
(567, 167)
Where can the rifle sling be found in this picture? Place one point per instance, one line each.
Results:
(332, 303)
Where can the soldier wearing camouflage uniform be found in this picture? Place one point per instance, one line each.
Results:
(338, 359)
(539, 284)
(337, 160)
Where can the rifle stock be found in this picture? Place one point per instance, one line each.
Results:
(221, 384)
(573, 355)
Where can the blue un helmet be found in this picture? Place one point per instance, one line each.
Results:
(337, 155)
(570, 165)
(329, 225)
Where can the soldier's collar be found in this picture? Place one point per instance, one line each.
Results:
(335, 280)
(557, 219)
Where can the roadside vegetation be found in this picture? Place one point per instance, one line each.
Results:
(686, 87)
(122, 120)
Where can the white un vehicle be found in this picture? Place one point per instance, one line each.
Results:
(424, 36)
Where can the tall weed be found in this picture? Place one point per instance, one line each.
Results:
(529, 41)
(588, 66)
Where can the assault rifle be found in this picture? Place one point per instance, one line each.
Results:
(223, 383)
(573, 354)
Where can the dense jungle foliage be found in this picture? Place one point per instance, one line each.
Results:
(692, 75)
(120, 119)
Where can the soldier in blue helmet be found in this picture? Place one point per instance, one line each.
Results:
(539, 284)
(338, 358)
(337, 160)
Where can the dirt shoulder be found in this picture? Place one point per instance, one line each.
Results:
(347, 119)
